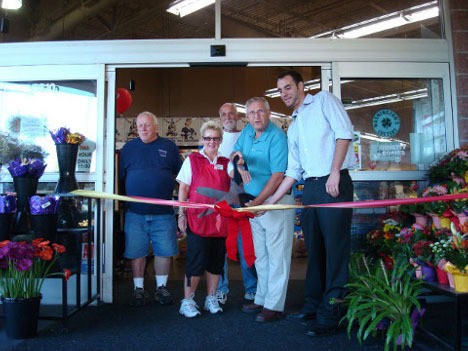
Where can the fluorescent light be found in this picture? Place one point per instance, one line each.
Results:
(382, 23)
(388, 99)
(185, 7)
(12, 4)
(241, 109)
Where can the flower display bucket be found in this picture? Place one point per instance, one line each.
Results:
(460, 279)
(25, 187)
(461, 282)
(442, 276)
(21, 316)
(45, 226)
(66, 157)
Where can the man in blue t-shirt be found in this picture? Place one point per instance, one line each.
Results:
(263, 147)
(148, 165)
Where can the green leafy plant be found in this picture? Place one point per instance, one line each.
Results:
(452, 164)
(457, 254)
(413, 208)
(377, 296)
(11, 148)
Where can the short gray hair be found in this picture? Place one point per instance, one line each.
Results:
(149, 114)
(257, 99)
(214, 125)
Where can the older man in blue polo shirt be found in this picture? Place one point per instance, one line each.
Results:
(263, 147)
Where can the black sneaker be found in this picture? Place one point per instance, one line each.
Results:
(163, 296)
(139, 297)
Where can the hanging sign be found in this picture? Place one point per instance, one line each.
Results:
(386, 123)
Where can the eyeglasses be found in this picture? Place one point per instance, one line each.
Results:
(254, 113)
(212, 138)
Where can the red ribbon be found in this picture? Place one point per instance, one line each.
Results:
(392, 202)
(237, 221)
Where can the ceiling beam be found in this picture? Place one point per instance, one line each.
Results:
(71, 20)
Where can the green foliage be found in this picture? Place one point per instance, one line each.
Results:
(456, 162)
(377, 294)
(12, 149)
(413, 208)
(436, 207)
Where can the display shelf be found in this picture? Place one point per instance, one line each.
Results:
(60, 308)
(446, 316)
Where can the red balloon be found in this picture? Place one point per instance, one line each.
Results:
(123, 100)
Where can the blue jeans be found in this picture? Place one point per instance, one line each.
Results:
(249, 275)
(140, 230)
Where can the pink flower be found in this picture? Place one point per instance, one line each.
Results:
(463, 154)
(459, 180)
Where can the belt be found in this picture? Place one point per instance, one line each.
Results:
(342, 172)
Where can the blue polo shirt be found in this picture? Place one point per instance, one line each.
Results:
(264, 156)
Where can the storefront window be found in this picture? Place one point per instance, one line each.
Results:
(399, 124)
(29, 110)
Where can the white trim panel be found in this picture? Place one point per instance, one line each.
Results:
(237, 50)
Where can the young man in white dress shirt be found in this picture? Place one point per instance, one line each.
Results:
(319, 152)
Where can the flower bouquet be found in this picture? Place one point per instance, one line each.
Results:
(27, 167)
(43, 205)
(452, 165)
(44, 216)
(25, 265)
(64, 136)
(457, 255)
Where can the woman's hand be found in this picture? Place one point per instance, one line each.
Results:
(182, 223)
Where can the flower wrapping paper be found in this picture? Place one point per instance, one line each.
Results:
(33, 168)
(47, 204)
(7, 204)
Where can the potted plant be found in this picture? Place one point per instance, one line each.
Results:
(23, 268)
(384, 300)
(457, 257)
(418, 211)
(454, 164)
(440, 248)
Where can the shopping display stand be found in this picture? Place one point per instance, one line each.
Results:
(75, 263)
(452, 319)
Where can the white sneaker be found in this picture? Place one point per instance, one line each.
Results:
(222, 297)
(212, 304)
(249, 296)
(189, 308)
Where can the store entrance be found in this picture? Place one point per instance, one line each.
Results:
(182, 99)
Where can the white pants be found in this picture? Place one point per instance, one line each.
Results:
(272, 236)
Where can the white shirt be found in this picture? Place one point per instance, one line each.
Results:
(227, 145)
(317, 124)
(185, 173)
